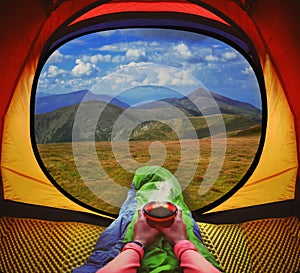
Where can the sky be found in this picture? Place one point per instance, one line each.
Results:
(111, 62)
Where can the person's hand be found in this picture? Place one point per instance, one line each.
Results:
(176, 232)
(143, 232)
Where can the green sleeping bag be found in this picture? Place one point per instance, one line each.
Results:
(155, 183)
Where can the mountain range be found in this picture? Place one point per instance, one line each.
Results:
(47, 103)
(153, 120)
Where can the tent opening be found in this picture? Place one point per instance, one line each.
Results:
(110, 101)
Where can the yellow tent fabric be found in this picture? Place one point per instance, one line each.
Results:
(32, 245)
(273, 180)
(23, 178)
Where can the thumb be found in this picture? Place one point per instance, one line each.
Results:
(179, 214)
(141, 214)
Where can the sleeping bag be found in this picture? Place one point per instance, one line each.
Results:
(150, 183)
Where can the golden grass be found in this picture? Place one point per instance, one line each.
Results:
(59, 160)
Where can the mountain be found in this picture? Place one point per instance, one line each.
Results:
(159, 120)
(59, 125)
(47, 103)
(202, 102)
(154, 130)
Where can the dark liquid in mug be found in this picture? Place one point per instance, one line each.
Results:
(160, 212)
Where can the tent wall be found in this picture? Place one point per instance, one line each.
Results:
(272, 30)
(28, 26)
(22, 178)
(280, 31)
(25, 28)
(276, 24)
(17, 40)
(274, 179)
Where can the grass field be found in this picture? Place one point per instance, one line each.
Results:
(59, 160)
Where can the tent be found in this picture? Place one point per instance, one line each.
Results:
(260, 218)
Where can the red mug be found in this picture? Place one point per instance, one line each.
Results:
(162, 213)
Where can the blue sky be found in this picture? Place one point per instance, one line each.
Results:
(112, 62)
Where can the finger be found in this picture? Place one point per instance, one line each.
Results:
(178, 216)
(141, 214)
(179, 213)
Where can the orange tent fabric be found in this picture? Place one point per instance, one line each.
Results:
(26, 27)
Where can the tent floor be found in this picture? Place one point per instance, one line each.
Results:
(260, 246)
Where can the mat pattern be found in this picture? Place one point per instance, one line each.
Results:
(261, 246)
(28, 245)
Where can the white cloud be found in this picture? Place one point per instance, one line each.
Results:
(175, 54)
(181, 78)
(43, 75)
(211, 58)
(97, 58)
(118, 59)
(164, 76)
(53, 71)
(213, 66)
(146, 73)
(135, 54)
(202, 51)
(183, 50)
(247, 70)
(112, 48)
(169, 62)
(43, 84)
(125, 46)
(76, 83)
(84, 69)
(229, 55)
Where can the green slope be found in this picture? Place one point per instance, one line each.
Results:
(136, 124)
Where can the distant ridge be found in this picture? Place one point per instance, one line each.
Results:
(228, 105)
(240, 119)
(203, 98)
(46, 103)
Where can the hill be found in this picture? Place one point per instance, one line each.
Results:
(202, 102)
(46, 103)
(145, 122)
(57, 126)
(154, 130)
